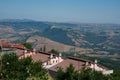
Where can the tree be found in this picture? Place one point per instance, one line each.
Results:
(21, 69)
(69, 74)
(116, 75)
(54, 51)
(89, 74)
(60, 74)
(28, 45)
(85, 74)
(44, 48)
(41, 50)
(36, 70)
(9, 65)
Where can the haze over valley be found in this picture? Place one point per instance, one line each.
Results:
(98, 38)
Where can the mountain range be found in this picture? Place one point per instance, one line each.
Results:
(104, 38)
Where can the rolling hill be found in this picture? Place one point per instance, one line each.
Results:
(39, 42)
(98, 37)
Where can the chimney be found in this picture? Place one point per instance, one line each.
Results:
(95, 61)
(51, 56)
(60, 57)
(95, 64)
(60, 54)
(34, 50)
(25, 51)
(86, 64)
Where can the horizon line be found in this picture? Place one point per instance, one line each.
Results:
(72, 22)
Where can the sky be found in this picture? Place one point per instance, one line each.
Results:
(87, 11)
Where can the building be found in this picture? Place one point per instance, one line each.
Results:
(4, 44)
(53, 62)
(6, 47)
(47, 59)
(79, 64)
(20, 49)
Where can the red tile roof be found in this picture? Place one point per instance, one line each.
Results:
(20, 52)
(20, 46)
(9, 45)
(5, 44)
(78, 65)
(40, 57)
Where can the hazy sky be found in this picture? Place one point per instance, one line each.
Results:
(92, 11)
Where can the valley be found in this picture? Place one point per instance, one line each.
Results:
(91, 39)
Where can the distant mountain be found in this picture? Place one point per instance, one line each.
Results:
(57, 34)
(27, 25)
(16, 20)
(99, 37)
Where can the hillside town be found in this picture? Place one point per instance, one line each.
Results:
(51, 61)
